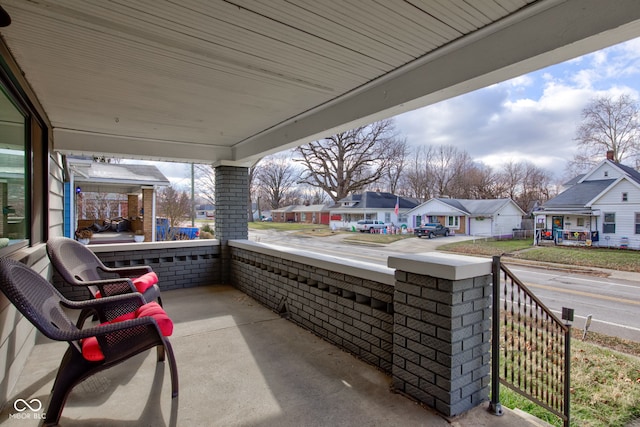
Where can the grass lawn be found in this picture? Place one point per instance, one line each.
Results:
(614, 259)
(358, 237)
(487, 247)
(285, 226)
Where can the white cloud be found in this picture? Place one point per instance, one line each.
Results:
(532, 117)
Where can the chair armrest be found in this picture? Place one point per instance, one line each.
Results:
(109, 308)
(109, 287)
(134, 271)
(107, 328)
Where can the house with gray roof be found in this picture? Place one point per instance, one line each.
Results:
(486, 217)
(373, 205)
(601, 208)
(98, 192)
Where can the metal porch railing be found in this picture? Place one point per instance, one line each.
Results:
(530, 346)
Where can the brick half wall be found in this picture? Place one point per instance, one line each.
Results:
(178, 264)
(348, 304)
(425, 321)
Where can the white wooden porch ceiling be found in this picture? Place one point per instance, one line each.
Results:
(230, 81)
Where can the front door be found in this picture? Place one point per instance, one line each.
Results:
(557, 224)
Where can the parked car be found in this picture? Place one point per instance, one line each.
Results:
(367, 225)
(431, 230)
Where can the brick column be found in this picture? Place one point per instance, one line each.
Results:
(232, 195)
(132, 206)
(148, 221)
(441, 336)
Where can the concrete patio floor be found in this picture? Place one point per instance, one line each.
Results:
(239, 364)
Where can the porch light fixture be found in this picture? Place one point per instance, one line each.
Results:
(5, 19)
(78, 190)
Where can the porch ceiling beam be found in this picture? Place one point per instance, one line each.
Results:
(543, 34)
(94, 144)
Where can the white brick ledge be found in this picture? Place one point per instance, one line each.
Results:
(363, 270)
(145, 246)
(441, 265)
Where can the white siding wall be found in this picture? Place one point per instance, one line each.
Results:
(480, 227)
(17, 335)
(506, 219)
(56, 197)
(625, 214)
(605, 171)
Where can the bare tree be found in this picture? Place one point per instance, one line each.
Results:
(398, 152)
(205, 178)
(349, 161)
(253, 190)
(511, 178)
(447, 164)
(536, 184)
(525, 183)
(174, 204)
(418, 173)
(276, 177)
(102, 205)
(476, 181)
(609, 124)
(315, 196)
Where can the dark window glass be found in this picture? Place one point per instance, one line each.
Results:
(609, 224)
(13, 171)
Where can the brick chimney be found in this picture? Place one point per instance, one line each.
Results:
(610, 155)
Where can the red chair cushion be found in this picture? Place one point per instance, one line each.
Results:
(141, 283)
(154, 310)
(91, 348)
(145, 281)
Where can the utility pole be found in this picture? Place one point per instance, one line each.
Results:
(193, 198)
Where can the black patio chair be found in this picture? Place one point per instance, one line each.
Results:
(79, 266)
(41, 303)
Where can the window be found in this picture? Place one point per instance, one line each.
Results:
(609, 223)
(637, 223)
(387, 217)
(453, 221)
(13, 172)
(24, 167)
(625, 197)
(580, 222)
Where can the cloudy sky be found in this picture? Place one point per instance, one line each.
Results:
(533, 117)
